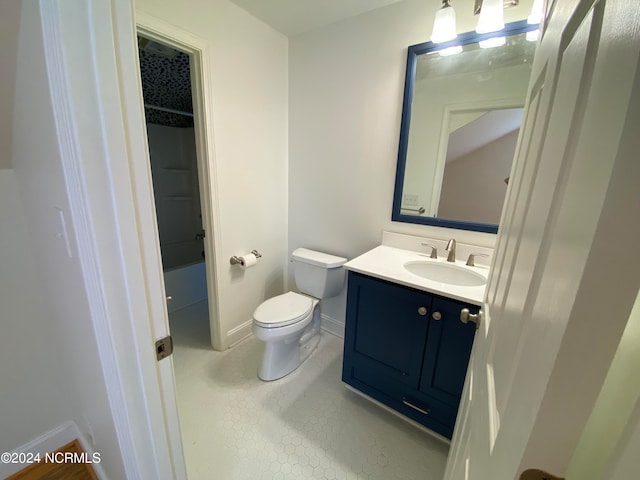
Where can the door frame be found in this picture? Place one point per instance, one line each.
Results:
(167, 34)
(91, 57)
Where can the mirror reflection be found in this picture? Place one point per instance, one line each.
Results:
(480, 149)
(460, 129)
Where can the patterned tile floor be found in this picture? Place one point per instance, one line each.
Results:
(304, 426)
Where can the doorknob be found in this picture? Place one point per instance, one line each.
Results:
(466, 317)
(169, 298)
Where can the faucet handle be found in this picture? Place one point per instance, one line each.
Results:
(434, 249)
(472, 256)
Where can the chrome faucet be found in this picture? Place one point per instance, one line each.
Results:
(451, 248)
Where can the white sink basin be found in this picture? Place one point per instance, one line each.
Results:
(448, 273)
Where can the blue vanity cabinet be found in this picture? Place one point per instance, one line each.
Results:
(387, 336)
(447, 351)
(396, 352)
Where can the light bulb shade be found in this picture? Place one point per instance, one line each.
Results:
(533, 35)
(491, 16)
(535, 17)
(492, 42)
(444, 26)
(446, 52)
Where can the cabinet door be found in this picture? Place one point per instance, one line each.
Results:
(447, 352)
(386, 328)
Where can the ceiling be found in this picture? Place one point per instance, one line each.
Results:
(293, 17)
(166, 84)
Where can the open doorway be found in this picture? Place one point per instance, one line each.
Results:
(171, 134)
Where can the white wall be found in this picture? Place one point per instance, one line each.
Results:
(613, 409)
(624, 462)
(249, 89)
(75, 387)
(9, 22)
(32, 376)
(473, 186)
(345, 95)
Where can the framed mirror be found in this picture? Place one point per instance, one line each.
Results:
(461, 116)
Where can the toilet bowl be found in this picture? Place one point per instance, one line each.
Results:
(289, 324)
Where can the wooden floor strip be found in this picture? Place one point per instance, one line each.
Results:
(58, 471)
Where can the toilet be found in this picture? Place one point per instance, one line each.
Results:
(289, 324)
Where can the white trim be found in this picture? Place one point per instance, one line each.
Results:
(239, 333)
(163, 32)
(45, 443)
(242, 332)
(86, 243)
(80, 37)
(332, 325)
(50, 442)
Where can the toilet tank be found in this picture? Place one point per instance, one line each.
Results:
(318, 274)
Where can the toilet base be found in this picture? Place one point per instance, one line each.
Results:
(282, 358)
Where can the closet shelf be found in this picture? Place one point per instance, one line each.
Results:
(195, 243)
(168, 110)
(179, 197)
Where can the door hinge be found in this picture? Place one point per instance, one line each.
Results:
(164, 347)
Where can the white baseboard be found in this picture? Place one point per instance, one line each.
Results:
(239, 333)
(331, 325)
(49, 442)
(242, 331)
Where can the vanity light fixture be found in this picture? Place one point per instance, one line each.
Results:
(492, 42)
(535, 17)
(446, 52)
(444, 26)
(533, 35)
(491, 16)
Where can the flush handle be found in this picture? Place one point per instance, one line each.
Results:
(422, 311)
(466, 317)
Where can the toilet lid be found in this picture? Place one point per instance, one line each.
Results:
(282, 310)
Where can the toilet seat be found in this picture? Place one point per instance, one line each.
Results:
(283, 310)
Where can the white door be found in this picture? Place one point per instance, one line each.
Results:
(566, 267)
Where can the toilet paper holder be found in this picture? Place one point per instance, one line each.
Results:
(239, 261)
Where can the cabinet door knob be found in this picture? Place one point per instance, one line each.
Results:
(466, 317)
(422, 311)
(436, 315)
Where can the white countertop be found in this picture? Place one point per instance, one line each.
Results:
(387, 263)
